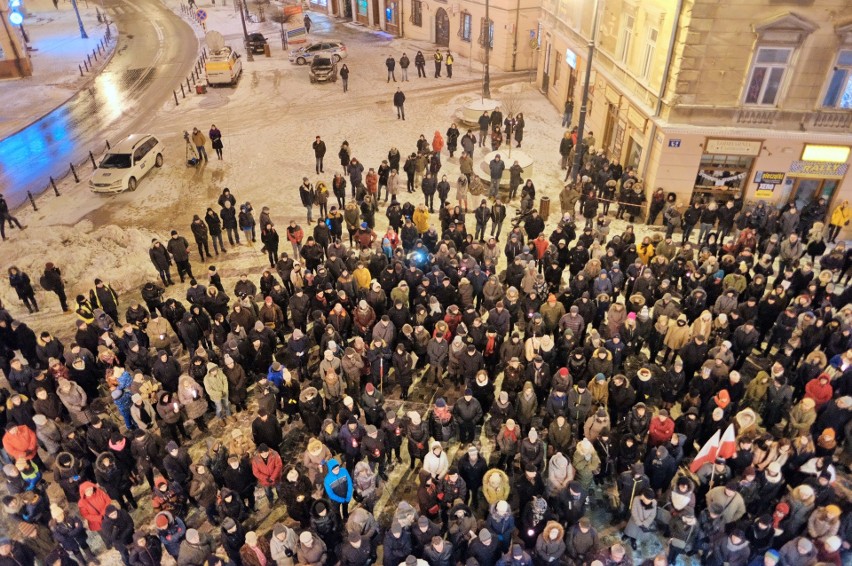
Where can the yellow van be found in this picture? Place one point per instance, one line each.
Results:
(223, 67)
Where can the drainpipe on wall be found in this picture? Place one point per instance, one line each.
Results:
(659, 106)
(515, 42)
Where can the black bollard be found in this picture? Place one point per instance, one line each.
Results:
(32, 201)
(108, 146)
(74, 172)
(87, 66)
(182, 92)
(176, 100)
(53, 184)
(81, 69)
(92, 157)
(187, 84)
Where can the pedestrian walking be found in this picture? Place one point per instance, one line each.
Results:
(390, 63)
(6, 217)
(420, 63)
(216, 140)
(344, 75)
(199, 140)
(449, 63)
(404, 62)
(308, 23)
(399, 102)
(319, 153)
(438, 58)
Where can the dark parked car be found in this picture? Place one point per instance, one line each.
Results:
(256, 42)
(323, 68)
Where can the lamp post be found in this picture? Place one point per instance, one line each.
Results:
(486, 81)
(578, 153)
(249, 56)
(83, 34)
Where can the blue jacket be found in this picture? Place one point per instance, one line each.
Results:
(338, 483)
(276, 377)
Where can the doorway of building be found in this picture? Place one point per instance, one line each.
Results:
(807, 190)
(545, 76)
(442, 28)
(609, 129)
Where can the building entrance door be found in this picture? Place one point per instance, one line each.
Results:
(807, 190)
(442, 28)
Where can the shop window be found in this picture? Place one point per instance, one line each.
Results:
(723, 173)
(648, 53)
(839, 92)
(486, 33)
(417, 13)
(465, 25)
(625, 37)
(767, 75)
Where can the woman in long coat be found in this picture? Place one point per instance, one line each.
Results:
(191, 395)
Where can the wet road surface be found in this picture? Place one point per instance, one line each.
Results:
(156, 50)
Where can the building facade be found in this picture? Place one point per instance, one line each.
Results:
(712, 98)
(459, 26)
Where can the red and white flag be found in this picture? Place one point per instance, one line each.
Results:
(707, 453)
(728, 445)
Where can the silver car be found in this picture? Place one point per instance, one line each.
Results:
(303, 55)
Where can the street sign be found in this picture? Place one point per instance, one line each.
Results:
(201, 15)
(674, 143)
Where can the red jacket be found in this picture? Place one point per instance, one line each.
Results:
(821, 394)
(541, 245)
(268, 473)
(23, 444)
(93, 509)
(660, 431)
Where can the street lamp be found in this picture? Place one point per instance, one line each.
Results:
(486, 81)
(249, 56)
(578, 153)
(83, 34)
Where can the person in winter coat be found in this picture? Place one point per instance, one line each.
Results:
(311, 550)
(195, 548)
(732, 550)
(550, 545)
(68, 530)
(255, 551)
(643, 514)
(117, 531)
(92, 505)
(586, 463)
(338, 487)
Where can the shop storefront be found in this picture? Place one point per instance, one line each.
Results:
(725, 168)
(392, 16)
(818, 174)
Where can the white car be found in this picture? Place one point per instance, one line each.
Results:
(305, 54)
(126, 163)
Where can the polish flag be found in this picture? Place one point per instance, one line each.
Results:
(706, 454)
(728, 445)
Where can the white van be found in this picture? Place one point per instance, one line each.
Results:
(223, 67)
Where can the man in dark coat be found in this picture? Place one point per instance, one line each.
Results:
(117, 531)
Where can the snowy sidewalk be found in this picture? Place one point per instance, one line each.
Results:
(57, 50)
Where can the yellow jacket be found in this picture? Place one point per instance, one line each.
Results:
(841, 215)
(421, 220)
(645, 252)
(362, 277)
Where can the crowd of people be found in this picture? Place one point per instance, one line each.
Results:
(526, 391)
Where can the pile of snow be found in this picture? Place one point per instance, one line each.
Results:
(82, 252)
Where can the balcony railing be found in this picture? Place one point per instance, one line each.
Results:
(756, 116)
(832, 120)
